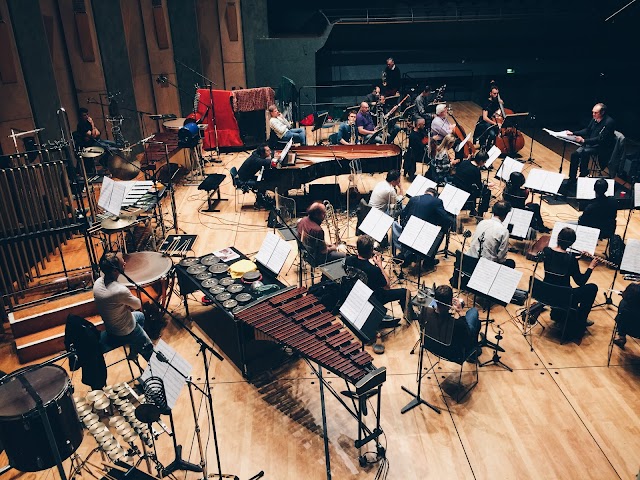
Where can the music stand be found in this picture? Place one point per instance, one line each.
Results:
(273, 253)
(362, 312)
(318, 122)
(376, 224)
(565, 139)
(421, 238)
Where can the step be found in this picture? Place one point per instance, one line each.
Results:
(46, 342)
(50, 314)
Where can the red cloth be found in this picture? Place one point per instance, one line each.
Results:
(227, 126)
(250, 99)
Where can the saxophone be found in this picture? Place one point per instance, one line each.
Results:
(334, 231)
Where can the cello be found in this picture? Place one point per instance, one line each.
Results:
(459, 132)
(510, 140)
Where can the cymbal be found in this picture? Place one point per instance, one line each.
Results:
(92, 152)
(117, 224)
(121, 168)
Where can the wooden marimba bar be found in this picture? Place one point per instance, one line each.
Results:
(298, 319)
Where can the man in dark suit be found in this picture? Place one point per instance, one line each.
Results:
(601, 212)
(597, 138)
(426, 207)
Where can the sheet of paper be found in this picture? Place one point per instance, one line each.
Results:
(636, 195)
(462, 143)
(505, 284)
(419, 186)
(453, 198)
(411, 231)
(544, 181)
(509, 165)
(584, 189)
(494, 152)
(279, 256)
(427, 237)
(174, 381)
(586, 237)
(356, 308)
(376, 224)
(631, 258)
(483, 275)
(563, 136)
(106, 191)
(226, 254)
(521, 220)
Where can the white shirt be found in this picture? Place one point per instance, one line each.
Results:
(280, 125)
(440, 126)
(496, 240)
(114, 303)
(383, 195)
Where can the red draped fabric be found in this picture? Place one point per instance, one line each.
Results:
(227, 126)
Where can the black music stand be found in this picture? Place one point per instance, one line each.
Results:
(318, 123)
(367, 331)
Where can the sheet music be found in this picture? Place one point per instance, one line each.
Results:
(419, 235)
(376, 224)
(357, 308)
(112, 195)
(494, 280)
(462, 143)
(544, 181)
(509, 165)
(419, 186)
(285, 150)
(584, 190)
(586, 237)
(226, 254)
(453, 198)
(173, 380)
(563, 136)
(494, 152)
(631, 258)
(521, 221)
(273, 252)
(636, 195)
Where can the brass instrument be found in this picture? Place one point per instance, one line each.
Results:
(334, 231)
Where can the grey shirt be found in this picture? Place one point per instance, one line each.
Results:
(496, 240)
(114, 303)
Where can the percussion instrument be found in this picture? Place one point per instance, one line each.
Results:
(92, 152)
(117, 224)
(175, 124)
(152, 272)
(120, 166)
(22, 429)
(189, 135)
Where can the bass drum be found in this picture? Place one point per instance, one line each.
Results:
(22, 429)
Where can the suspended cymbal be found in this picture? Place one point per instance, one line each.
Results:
(117, 224)
(92, 152)
(121, 168)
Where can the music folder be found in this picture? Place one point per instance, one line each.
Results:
(494, 280)
(362, 313)
(509, 165)
(563, 136)
(419, 235)
(586, 237)
(419, 186)
(273, 252)
(112, 195)
(376, 224)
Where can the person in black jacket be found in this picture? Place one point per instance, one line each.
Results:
(601, 212)
(597, 138)
(259, 158)
(560, 267)
(517, 196)
(469, 179)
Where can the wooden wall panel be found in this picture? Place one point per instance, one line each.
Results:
(232, 50)
(210, 42)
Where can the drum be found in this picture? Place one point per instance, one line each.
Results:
(189, 136)
(175, 124)
(150, 270)
(94, 152)
(21, 427)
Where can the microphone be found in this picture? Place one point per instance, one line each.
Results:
(467, 233)
(481, 239)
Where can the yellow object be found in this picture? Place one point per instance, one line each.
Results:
(241, 267)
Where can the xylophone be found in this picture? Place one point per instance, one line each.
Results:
(297, 319)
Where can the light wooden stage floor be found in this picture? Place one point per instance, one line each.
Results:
(560, 414)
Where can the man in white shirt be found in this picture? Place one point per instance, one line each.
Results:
(282, 127)
(491, 238)
(116, 304)
(388, 193)
(440, 126)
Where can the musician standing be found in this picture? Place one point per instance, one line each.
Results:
(347, 133)
(391, 78)
(597, 138)
(416, 151)
(366, 127)
(387, 193)
(493, 237)
(282, 127)
(311, 235)
(487, 128)
(601, 212)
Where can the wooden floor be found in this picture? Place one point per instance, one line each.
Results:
(560, 414)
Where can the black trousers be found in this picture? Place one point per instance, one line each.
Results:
(580, 158)
(385, 296)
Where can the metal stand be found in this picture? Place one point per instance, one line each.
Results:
(417, 398)
(533, 134)
(495, 360)
(484, 342)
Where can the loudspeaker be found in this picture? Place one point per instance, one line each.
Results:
(629, 167)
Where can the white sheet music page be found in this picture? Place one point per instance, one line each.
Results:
(521, 220)
(631, 258)
(544, 181)
(563, 136)
(584, 189)
(411, 231)
(586, 237)
(357, 308)
(376, 224)
(273, 252)
(427, 237)
(453, 198)
(505, 284)
(104, 201)
(483, 275)
(509, 165)
(419, 186)
(494, 152)
(462, 143)
(173, 380)
(636, 195)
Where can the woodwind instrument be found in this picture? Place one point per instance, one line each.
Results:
(334, 231)
(601, 260)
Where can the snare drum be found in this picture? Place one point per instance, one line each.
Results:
(175, 124)
(151, 271)
(22, 430)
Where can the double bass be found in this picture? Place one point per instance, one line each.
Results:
(458, 131)
(509, 140)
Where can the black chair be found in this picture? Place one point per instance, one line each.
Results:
(556, 297)
(238, 185)
(274, 142)
(633, 329)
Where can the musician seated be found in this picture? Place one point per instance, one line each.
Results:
(469, 179)
(416, 151)
(365, 125)
(86, 131)
(347, 133)
(119, 310)
(374, 97)
(491, 238)
(444, 160)
(597, 137)
(560, 267)
(601, 212)
(487, 128)
(466, 328)
(440, 126)
(427, 207)
(517, 196)
(388, 193)
(259, 158)
(370, 263)
(283, 127)
(421, 105)
(627, 318)
(311, 235)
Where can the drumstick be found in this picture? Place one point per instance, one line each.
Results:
(114, 466)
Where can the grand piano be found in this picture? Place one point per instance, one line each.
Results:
(321, 161)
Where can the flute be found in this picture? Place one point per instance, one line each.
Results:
(588, 255)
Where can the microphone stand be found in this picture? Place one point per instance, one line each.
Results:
(533, 135)
(203, 348)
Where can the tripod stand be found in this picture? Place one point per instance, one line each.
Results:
(531, 160)
(417, 398)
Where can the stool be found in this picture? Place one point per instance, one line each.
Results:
(211, 185)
